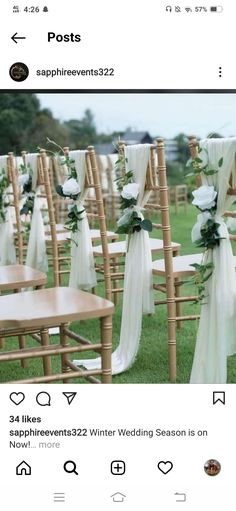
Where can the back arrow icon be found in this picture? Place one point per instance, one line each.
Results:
(15, 37)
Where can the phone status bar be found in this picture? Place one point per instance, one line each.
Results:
(195, 9)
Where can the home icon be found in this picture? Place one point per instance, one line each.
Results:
(23, 469)
(118, 497)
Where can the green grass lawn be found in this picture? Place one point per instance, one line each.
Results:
(151, 365)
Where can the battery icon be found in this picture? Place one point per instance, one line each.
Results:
(216, 8)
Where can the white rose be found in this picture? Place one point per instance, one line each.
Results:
(23, 179)
(204, 197)
(71, 187)
(130, 191)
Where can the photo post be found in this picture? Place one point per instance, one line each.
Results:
(117, 253)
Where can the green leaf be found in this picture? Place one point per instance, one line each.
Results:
(207, 277)
(146, 225)
(209, 265)
(196, 265)
(210, 172)
(59, 190)
(24, 211)
(122, 229)
(220, 162)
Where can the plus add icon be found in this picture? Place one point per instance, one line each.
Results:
(118, 467)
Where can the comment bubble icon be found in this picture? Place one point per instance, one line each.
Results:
(43, 399)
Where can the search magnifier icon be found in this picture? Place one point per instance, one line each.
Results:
(70, 467)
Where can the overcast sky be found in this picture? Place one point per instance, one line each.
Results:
(160, 114)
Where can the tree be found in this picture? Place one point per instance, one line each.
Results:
(82, 132)
(17, 116)
(182, 154)
(46, 126)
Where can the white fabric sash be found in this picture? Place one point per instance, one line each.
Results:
(36, 252)
(216, 336)
(138, 285)
(82, 273)
(7, 247)
(3, 164)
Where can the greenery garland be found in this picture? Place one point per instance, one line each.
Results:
(210, 236)
(27, 191)
(130, 221)
(4, 183)
(74, 215)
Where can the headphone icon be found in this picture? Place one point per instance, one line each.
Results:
(168, 8)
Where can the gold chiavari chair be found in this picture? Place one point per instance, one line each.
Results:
(175, 270)
(117, 250)
(15, 277)
(92, 213)
(35, 312)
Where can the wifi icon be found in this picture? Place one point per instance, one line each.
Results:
(188, 9)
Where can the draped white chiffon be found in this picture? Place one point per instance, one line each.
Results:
(216, 337)
(36, 252)
(138, 285)
(7, 247)
(82, 273)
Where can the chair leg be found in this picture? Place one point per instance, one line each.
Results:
(113, 210)
(22, 342)
(22, 345)
(106, 339)
(178, 305)
(64, 357)
(47, 367)
(2, 340)
(172, 348)
(115, 282)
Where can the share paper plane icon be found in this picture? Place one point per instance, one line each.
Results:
(69, 396)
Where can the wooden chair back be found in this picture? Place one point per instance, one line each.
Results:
(21, 246)
(92, 180)
(151, 174)
(193, 147)
(13, 178)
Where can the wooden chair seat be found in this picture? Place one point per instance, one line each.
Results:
(59, 228)
(181, 265)
(18, 276)
(62, 237)
(96, 236)
(118, 248)
(50, 307)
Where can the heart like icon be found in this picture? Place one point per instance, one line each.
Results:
(17, 397)
(165, 466)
